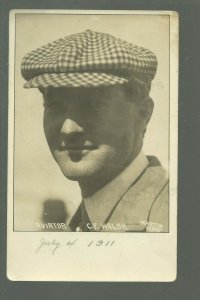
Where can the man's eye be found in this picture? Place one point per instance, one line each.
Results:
(52, 105)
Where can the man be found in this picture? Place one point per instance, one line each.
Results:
(96, 110)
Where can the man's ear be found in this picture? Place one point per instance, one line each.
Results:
(145, 111)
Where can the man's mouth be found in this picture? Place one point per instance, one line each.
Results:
(77, 148)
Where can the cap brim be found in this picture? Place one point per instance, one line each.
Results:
(74, 80)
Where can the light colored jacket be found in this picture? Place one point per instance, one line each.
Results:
(144, 206)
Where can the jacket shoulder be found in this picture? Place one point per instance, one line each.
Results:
(146, 201)
(159, 213)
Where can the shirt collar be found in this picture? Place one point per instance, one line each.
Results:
(100, 205)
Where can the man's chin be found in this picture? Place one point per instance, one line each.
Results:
(78, 174)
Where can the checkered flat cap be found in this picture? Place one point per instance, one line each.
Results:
(88, 59)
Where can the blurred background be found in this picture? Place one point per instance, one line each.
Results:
(41, 193)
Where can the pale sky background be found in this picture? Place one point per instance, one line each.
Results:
(37, 176)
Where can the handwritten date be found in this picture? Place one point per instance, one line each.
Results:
(53, 245)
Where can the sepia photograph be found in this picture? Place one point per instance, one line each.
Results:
(93, 129)
(89, 90)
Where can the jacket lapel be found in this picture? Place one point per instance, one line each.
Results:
(134, 208)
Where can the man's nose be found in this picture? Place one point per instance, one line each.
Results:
(71, 127)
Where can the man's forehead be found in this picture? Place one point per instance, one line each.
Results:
(82, 91)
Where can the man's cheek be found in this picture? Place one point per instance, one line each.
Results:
(51, 127)
(50, 138)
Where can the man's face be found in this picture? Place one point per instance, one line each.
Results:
(91, 132)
